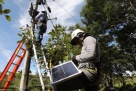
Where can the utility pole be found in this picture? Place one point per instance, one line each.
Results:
(25, 71)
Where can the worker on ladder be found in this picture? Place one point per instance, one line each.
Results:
(88, 60)
(40, 21)
(41, 26)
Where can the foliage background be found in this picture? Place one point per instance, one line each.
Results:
(113, 22)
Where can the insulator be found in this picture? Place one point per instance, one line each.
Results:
(30, 9)
(49, 9)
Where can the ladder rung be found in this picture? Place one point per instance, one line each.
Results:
(39, 53)
(41, 60)
(14, 64)
(22, 48)
(19, 56)
(8, 81)
(11, 72)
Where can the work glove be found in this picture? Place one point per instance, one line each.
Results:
(73, 58)
(33, 21)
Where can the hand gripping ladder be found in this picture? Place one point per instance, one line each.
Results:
(38, 66)
(12, 62)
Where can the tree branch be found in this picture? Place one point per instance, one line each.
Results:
(132, 5)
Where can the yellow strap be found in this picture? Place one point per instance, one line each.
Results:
(92, 70)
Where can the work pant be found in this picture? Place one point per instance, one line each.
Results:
(88, 79)
(40, 30)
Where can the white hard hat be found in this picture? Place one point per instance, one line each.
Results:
(74, 35)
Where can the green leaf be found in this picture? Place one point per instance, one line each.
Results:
(8, 17)
(2, 1)
(28, 32)
(19, 34)
(6, 11)
(0, 8)
(19, 41)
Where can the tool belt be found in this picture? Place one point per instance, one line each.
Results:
(40, 23)
(91, 67)
(88, 65)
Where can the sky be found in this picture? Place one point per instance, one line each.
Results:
(64, 10)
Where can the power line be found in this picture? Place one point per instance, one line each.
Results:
(30, 1)
(67, 11)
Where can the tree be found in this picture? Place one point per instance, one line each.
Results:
(58, 46)
(5, 11)
(112, 21)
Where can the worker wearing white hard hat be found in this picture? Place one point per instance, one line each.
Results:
(75, 35)
(88, 60)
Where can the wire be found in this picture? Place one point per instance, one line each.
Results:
(30, 1)
(67, 11)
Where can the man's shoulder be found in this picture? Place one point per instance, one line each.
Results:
(90, 38)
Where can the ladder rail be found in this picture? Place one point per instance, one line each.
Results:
(44, 58)
(10, 62)
(45, 61)
(38, 67)
(10, 78)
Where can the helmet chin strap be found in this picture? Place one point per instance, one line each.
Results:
(86, 34)
(83, 34)
(80, 40)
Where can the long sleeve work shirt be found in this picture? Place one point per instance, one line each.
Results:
(88, 52)
(41, 17)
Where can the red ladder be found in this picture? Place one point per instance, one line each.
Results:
(15, 66)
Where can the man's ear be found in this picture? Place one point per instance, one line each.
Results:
(80, 35)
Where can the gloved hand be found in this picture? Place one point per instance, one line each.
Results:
(33, 21)
(73, 58)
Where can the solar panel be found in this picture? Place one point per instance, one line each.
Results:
(64, 74)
